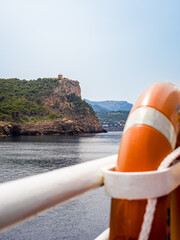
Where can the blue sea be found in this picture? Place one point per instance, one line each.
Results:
(83, 218)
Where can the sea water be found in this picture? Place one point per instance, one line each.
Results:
(83, 218)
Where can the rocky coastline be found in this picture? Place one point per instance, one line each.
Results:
(59, 127)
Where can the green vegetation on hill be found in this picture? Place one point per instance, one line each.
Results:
(32, 90)
(79, 106)
(23, 101)
(112, 121)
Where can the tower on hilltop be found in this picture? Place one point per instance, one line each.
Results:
(60, 76)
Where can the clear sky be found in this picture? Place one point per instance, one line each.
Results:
(114, 48)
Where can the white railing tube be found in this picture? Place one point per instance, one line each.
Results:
(24, 198)
(104, 235)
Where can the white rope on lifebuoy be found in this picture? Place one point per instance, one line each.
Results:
(151, 204)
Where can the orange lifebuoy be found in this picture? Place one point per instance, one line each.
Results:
(151, 132)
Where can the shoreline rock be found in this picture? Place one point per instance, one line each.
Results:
(59, 127)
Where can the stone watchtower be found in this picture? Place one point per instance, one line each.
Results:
(60, 76)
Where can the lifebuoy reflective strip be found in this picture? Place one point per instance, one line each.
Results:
(151, 117)
(141, 185)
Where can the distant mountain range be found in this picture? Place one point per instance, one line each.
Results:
(109, 106)
(112, 115)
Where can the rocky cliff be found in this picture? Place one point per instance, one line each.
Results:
(44, 106)
(68, 87)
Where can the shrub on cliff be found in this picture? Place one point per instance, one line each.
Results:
(79, 107)
(20, 98)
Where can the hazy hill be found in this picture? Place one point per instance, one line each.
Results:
(110, 105)
(97, 108)
(112, 121)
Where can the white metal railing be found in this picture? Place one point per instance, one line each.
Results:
(24, 198)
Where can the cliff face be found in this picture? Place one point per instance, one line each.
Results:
(59, 108)
(58, 99)
(66, 99)
(67, 87)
